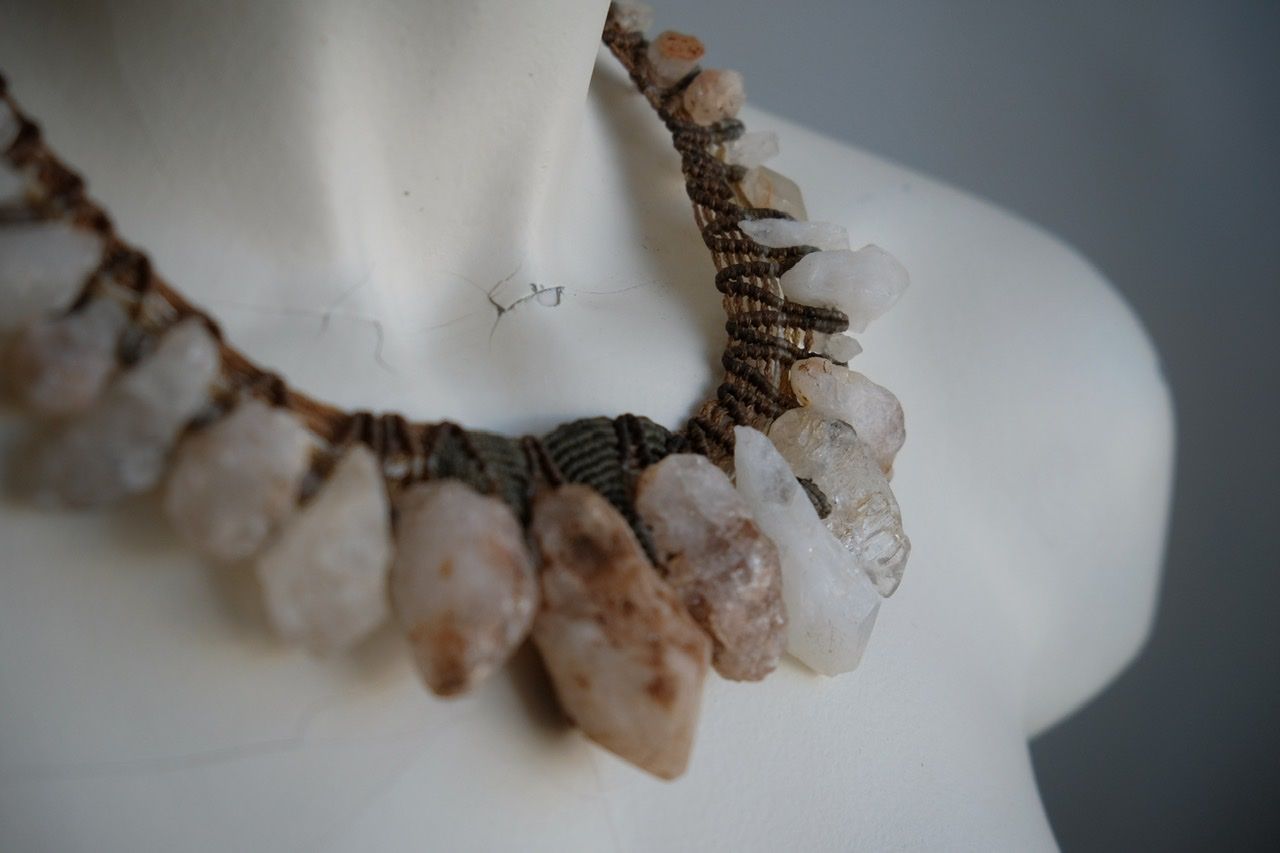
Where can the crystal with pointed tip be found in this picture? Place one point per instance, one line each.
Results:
(631, 16)
(59, 365)
(831, 604)
(463, 585)
(626, 660)
(751, 149)
(864, 515)
(718, 561)
(767, 189)
(42, 266)
(119, 447)
(324, 577)
(232, 483)
(672, 56)
(863, 284)
(837, 347)
(872, 410)
(714, 95)
(783, 233)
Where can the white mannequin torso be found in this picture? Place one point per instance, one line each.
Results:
(339, 184)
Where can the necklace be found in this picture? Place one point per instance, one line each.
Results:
(621, 548)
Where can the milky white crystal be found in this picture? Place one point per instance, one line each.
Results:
(782, 233)
(42, 266)
(59, 365)
(837, 347)
(634, 17)
(673, 55)
(751, 149)
(864, 515)
(714, 95)
(119, 446)
(463, 585)
(872, 410)
(233, 482)
(767, 189)
(716, 558)
(324, 577)
(863, 284)
(626, 660)
(831, 604)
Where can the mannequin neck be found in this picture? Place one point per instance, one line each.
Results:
(370, 137)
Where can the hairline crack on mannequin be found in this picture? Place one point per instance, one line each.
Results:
(365, 194)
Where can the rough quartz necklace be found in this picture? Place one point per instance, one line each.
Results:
(622, 549)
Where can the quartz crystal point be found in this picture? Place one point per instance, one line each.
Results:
(673, 55)
(119, 447)
(232, 483)
(872, 410)
(59, 365)
(42, 266)
(863, 284)
(633, 17)
(324, 577)
(751, 149)
(718, 561)
(714, 95)
(463, 585)
(782, 233)
(626, 660)
(765, 188)
(864, 515)
(837, 347)
(831, 604)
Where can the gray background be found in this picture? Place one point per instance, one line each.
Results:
(1144, 134)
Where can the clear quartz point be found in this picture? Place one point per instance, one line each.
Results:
(59, 365)
(783, 233)
(753, 148)
(719, 562)
(626, 660)
(872, 410)
(765, 188)
(324, 577)
(463, 586)
(864, 515)
(119, 447)
(863, 284)
(831, 604)
(232, 483)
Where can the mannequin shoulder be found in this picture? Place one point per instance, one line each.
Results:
(1036, 410)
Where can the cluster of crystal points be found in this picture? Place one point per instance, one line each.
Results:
(744, 568)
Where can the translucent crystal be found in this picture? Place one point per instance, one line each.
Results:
(672, 56)
(718, 561)
(837, 347)
(42, 266)
(751, 149)
(634, 17)
(626, 660)
(463, 585)
(59, 365)
(232, 483)
(831, 604)
(872, 410)
(863, 284)
(767, 189)
(714, 95)
(324, 577)
(119, 447)
(781, 233)
(864, 516)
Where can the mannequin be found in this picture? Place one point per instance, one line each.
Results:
(355, 190)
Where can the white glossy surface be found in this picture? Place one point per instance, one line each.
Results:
(143, 710)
